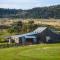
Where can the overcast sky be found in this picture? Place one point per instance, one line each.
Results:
(27, 4)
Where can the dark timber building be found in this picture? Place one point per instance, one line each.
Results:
(40, 35)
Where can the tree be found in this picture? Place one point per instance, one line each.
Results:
(30, 25)
(16, 27)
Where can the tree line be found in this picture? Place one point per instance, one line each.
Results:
(38, 12)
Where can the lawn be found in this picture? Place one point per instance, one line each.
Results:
(32, 52)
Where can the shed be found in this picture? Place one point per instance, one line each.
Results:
(39, 35)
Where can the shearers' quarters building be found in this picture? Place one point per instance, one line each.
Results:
(40, 35)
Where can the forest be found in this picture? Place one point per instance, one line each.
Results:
(36, 13)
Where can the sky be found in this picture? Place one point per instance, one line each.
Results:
(27, 4)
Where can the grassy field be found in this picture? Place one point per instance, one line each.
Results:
(32, 52)
(53, 22)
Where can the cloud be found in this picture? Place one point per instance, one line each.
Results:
(23, 4)
(26, 4)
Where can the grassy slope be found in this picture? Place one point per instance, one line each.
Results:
(35, 52)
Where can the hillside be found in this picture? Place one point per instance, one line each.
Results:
(32, 52)
(38, 12)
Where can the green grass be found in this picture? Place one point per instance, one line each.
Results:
(32, 52)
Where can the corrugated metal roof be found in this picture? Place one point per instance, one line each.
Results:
(38, 30)
(30, 37)
(27, 34)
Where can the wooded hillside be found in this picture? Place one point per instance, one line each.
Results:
(38, 12)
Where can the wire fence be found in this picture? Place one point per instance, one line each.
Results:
(9, 45)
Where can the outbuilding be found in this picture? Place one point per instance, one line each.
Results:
(40, 35)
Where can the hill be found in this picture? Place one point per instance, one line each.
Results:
(38, 12)
(32, 52)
